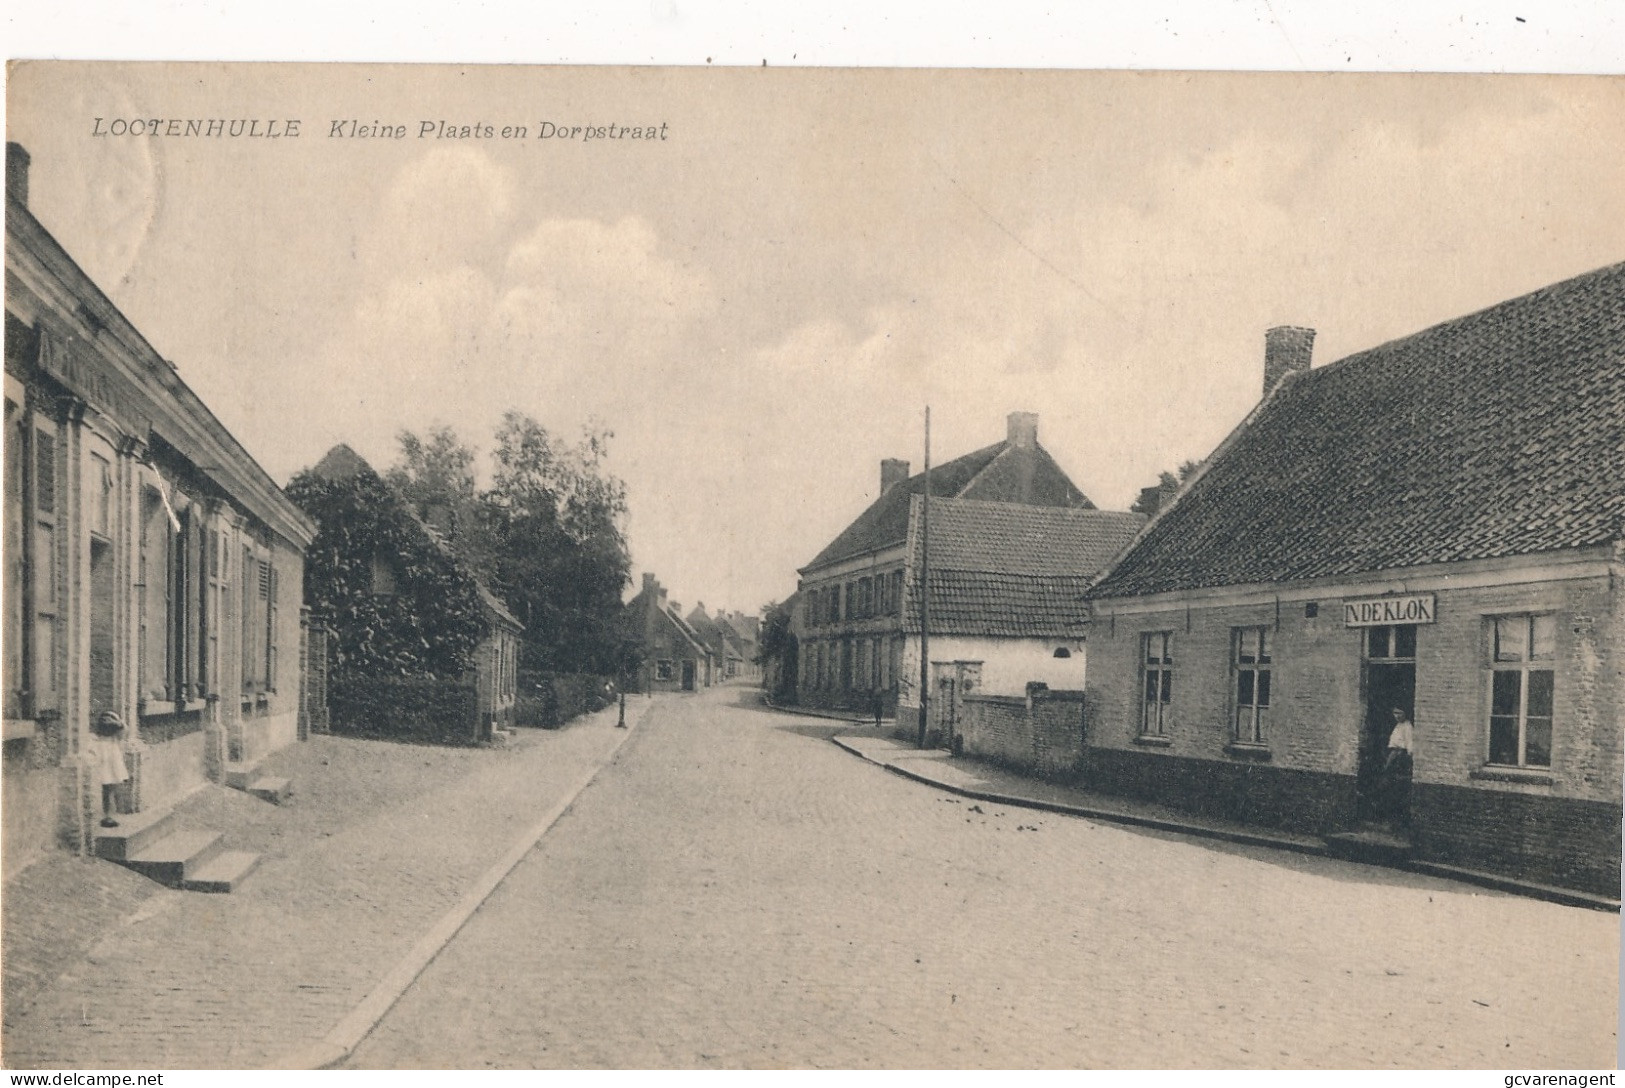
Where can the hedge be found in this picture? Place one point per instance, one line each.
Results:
(549, 699)
(416, 708)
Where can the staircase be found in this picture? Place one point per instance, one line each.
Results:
(194, 861)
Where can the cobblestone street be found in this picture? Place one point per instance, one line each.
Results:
(735, 891)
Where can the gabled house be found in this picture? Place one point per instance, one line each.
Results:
(1007, 529)
(421, 648)
(674, 655)
(1430, 529)
(153, 569)
(745, 632)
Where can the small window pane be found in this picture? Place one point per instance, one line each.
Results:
(1511, 638)
(1540, 693)
(1263, 687)
(1150, 687)
(1543, 639)
(1538, 742)
(1504, 693)
(1167, 687)
(1263, 646)
(1244, 687)
(1377, 642)
(1503, 740)
(1405, 641)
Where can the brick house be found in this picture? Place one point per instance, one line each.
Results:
(1434, 524)
(153, 568)
(674, 655)
(1012, 541)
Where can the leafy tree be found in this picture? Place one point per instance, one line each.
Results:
(776, 646)
(1150, 501)
(555, 516)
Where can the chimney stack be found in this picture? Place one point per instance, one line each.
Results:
(649, 582)
(17, 161)
(1022, 430)
(1287, 349)
(892, 473)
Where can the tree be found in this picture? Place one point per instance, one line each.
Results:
(555, 517)
(1152, 498)
(776, 649)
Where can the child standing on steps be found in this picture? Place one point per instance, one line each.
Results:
(107, 762)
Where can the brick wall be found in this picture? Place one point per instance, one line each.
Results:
(1551, 840)
(1042, 735)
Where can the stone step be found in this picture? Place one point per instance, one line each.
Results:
(239, 775)
(1371, 847)
(171, 859)
(274, 790)
(135, 832)
(222, 873)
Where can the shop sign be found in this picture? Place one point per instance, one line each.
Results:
(1380, 611)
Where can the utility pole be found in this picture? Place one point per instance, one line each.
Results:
(925, 594)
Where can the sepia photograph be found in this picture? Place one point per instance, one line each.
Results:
(766, 567)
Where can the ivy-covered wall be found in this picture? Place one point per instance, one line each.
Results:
(417, 708)
(427, 620)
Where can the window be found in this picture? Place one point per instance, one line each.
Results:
(1062, 653)
(1523, 650)
(1391, 643)
(1157, 665)
(663, 669)
(1251, 659)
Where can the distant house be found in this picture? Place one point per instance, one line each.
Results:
(731, 638)
(745, 632)
(421, 647)
(674, 655)
(1012, 543)
(1434, 525)
(153, 569)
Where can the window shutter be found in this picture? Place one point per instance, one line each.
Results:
(270, 627)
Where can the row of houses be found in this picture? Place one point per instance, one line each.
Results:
(155, 573)
(675, 652)
(1432, 530)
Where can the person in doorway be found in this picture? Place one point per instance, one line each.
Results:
(1396, 768)
(107, 762)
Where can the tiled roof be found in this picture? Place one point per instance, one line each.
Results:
(1012, 570)
(1014, 538)
(998, 472)
(1497, 434)
(1005, 605)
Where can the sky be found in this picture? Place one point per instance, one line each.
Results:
(761, 305)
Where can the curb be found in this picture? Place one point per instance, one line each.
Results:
(1563, 896)
(1242, 838)
(343, 1038)
(843, 716)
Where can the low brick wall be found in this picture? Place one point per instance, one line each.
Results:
(1549, 840)
(1041, 734)
(423, 709)
(1312, 802)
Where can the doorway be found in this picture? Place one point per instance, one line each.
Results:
(688, 676)
(1389, 682)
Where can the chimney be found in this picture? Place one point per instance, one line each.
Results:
(1286, 351)
(649, 582)
(1022, 430)
(892, 473)
(17, 161)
